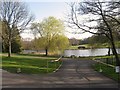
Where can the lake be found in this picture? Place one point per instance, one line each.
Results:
(88, 52)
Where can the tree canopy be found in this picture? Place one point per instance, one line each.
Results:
(15, 17)
(104, 19)
(51, 34)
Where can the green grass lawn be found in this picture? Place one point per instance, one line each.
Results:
(73, 47)
(76, 46)
(29, 64)
(107, 71)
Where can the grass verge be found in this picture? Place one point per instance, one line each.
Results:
(107, 71)
(29, 64)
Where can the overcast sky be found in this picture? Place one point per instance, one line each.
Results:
(45, 8)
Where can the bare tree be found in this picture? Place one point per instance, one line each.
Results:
(15, 16)
(103, 18)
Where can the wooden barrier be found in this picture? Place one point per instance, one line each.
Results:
(56, 59)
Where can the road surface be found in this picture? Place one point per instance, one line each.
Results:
(74, 73)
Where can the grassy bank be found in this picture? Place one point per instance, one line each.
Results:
(95, 45)
(103, 45)
(107, 69)
(76, 46)
(29, 64)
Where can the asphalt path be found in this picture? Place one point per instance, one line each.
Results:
(74, 73)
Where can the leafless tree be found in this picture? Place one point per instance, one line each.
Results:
(16, 17)
(103, 18)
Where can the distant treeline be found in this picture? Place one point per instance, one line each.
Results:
(95, 39)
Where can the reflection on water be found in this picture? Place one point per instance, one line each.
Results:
(88, 52)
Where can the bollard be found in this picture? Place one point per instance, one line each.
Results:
(117, 70)
(19, 70)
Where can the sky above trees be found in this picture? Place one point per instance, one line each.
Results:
(43, 9)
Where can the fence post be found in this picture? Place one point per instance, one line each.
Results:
(55, 64)
(47, 66)
(117, 70)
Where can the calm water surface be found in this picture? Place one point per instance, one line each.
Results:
(88, 52)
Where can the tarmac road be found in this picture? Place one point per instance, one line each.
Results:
(74, 73)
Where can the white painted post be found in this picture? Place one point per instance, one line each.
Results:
(117, 69)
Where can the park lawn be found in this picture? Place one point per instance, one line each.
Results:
(76, 46)
(29, 64)
(107, 71)
(73, 47)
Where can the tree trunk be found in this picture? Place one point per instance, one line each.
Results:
(115, 53)
(114, 49)
(108, 51)
(46, 51)
(9, 44)
(9, 51)
(112, 41)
